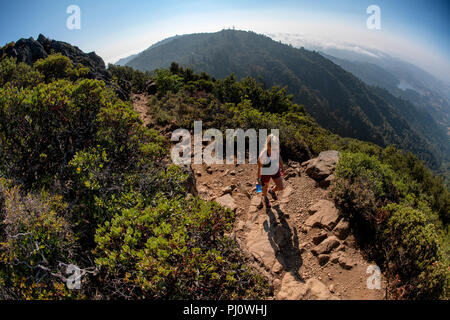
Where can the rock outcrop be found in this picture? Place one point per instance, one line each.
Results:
(294, 289)
(324, 215)
(31, 50)
(322, 168)
(228, 202)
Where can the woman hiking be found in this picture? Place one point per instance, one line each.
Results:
(270, 166)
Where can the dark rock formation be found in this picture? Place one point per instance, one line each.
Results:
(30, 50)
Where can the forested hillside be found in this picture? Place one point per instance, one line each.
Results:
(338, 101)
(426, 94)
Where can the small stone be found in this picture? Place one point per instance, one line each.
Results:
(323, 259)
(326, 246)
(334, 257)
(277, 267)
(227, 190)
(305, 229)
(346, 263)
(320, 237)
(331, 288)
(324, 215)
(276, 284)
(342, 230)
(227, 201)
(303, 246)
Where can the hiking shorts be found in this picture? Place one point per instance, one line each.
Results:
(276, 178)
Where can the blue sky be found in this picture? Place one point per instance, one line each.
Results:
(418, 29)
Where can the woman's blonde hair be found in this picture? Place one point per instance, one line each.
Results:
(271, 140)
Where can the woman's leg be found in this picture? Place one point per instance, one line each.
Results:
(265, 188)
(279, 185)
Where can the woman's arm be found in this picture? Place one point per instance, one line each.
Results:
(281, 164)
(259, 169)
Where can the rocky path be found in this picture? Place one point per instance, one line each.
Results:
(302, 244)
(140, 105)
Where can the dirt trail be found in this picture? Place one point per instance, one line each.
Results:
(140, 105)
(302, 244)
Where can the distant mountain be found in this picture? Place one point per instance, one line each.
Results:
(124, 61)
(416, 91)
(400, 78)
(338, 100)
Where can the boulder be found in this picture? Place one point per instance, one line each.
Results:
(324, 215)
(151, 87)
(227, 190)
(318, 290)
(286, 193)
(255, 204)
(294, 289)
(323, 166)
(342, 230)
(342, 259)
(291, 288)
(327, 181)
(322, 235)
(323, 259)
(227, 201)
(326, 246)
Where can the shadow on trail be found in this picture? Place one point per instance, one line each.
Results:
(284, 240)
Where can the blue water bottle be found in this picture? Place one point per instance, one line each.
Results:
(258, 186)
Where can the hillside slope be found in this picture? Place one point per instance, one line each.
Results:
(339, 101)
(425, 95)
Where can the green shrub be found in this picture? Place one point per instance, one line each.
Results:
(18, 75)
(57, 66)
(174, 250)
(362, 186)
(138, 80)
(167, 82)
(405, 238)
(42, 128)
(414, 252)
(35, 238)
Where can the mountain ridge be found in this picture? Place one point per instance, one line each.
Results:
(338, 100)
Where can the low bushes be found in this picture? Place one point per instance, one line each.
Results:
(402, 231)
(175, 249)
